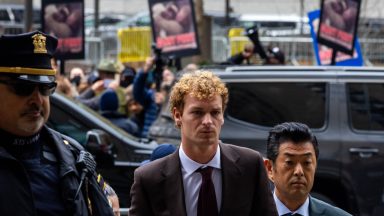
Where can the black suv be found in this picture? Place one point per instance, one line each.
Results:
(343, 106)
(117, 153)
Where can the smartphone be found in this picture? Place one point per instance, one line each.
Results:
(107, 82)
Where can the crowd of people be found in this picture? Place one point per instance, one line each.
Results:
(44, 172)
(128, 98)
(273, 55)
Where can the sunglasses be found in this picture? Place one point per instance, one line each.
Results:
(21, 88)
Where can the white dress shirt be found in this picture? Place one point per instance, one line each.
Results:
(192, 180)
(282, 209)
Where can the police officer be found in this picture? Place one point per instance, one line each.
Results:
(39, 167)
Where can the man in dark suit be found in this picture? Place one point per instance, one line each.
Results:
(204, 177)
(292, 152)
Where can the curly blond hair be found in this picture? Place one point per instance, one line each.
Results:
(201, 84)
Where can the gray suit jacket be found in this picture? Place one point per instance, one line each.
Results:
(320, 208)
(158, 186)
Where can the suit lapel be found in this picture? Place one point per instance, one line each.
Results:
(231, 173)
(173, 185)
(314, 208)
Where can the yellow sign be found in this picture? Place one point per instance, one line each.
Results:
(135, 44)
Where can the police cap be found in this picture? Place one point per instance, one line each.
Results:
(28, 56)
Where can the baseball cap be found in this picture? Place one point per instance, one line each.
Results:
(160, 151)
(109, 66)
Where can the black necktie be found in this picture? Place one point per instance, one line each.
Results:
(207, 205)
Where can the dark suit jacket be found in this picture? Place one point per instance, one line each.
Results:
(158, 186)
(320, 208)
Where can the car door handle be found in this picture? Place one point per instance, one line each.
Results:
(364, 152)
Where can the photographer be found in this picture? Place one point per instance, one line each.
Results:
(245, 55)
(147, 96)
(273, 56)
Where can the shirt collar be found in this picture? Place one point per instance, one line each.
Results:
(190, 166)
(282, 209)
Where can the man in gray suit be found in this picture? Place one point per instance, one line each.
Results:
(292, 152)
(204, 177)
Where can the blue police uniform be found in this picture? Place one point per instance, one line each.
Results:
(38, 174)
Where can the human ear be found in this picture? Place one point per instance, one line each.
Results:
(269, 166)
(177, 117)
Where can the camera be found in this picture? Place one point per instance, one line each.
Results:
(160, 62)
(253, 34)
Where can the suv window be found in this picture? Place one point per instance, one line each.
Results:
(268, 104)
(61, 122)
(366, 105)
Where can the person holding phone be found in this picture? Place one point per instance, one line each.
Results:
(107, 70)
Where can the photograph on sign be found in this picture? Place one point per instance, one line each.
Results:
(174, 27)
(64, 19)
(338, 24)
(323, 53)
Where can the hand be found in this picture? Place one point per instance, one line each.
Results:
(98, 86)
(148, 64)
(114, 202)
(113, 85)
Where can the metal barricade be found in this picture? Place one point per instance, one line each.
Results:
(110, 46)
(94, 49)
(134, 44)
(372, 50)
(299, 50)
(219, 49)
